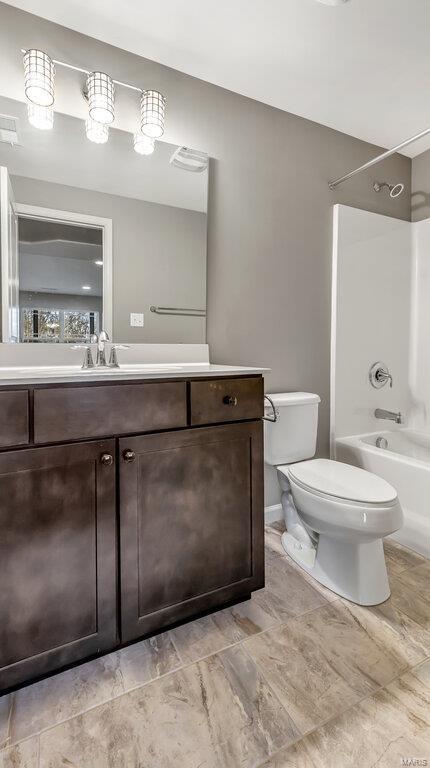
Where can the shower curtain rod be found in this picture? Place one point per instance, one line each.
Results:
(333, 184)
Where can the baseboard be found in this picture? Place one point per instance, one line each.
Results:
(273, 513)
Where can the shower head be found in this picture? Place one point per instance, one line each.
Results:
(395, 189)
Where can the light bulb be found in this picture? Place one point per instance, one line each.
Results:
(40, 117)
(39, 78)
(152, 108)
(96, 132)
(101, 95)
(144, 145)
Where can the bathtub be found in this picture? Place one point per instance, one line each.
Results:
(405, 463)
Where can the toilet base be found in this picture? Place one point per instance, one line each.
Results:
(353, 570)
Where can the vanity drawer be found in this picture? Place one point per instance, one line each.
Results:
(73, 413)
(226, 400)
(14, 418)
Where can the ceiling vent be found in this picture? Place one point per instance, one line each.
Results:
(8, 129)
(190, 159)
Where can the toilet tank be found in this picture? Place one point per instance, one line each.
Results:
(293, 436)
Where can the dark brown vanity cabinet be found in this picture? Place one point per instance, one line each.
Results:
(191, 523)
(109, 539)
(57, 557)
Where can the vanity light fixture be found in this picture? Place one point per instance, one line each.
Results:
(39, 78)
(99, 92)
(101, 96)
(96, 132)
(86, 287)
(144, 145)
(40, 117)
(98, 263)
(152, 108)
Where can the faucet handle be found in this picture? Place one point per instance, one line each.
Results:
(88, 357)
(113, 357)
(379, 375)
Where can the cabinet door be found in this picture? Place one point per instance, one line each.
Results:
(191, 523)
(57, 557)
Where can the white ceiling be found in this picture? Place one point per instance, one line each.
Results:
(362, 68)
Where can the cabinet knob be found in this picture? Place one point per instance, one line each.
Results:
(129, 456)
(230, 400)
(106, 459)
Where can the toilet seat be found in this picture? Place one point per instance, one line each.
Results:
(342, 482)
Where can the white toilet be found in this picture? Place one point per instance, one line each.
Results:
(336, 515)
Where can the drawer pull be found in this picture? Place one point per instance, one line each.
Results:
(129, 456)
(106, 459)
(230, 400)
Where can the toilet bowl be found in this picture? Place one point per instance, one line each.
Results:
(346, 512)
(336, 515)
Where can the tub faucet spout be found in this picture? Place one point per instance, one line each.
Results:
(380, 413)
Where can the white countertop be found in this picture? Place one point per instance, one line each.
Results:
(60, 374)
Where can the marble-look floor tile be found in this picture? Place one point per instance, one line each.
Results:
(287, 593)
(274, 547)
(272, 537)
(410, 593)
(6, 703)
(399, 559)
(396, 632)
(391, 726)
(216, 713)
(210, 634)
(22, 755)
(324, 661)
(69, 693)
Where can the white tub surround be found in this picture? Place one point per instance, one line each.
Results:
(405, 463)
(381, 312)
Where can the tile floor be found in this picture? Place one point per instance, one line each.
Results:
(293, 678)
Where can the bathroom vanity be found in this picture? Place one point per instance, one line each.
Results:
(130, 499)
(127, 504)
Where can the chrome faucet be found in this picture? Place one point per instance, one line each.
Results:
(101, 340)
(391, 415)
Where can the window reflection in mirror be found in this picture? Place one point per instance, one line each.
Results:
(66, 204)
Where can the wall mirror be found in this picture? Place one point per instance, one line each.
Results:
(96, 235)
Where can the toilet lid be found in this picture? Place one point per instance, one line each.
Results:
(333, 478)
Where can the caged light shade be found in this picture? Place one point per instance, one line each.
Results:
(96, 132)
(40, 117)
(152, 108)
(39, 78)
(101, 96)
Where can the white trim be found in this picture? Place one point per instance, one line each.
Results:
(333, 338)
(4, 252)
(84, 220)
(273, 513)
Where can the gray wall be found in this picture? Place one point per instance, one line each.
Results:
(159, 257)
(270, 209)
(420, 200)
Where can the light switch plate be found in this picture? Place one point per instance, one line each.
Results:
(136, 319)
